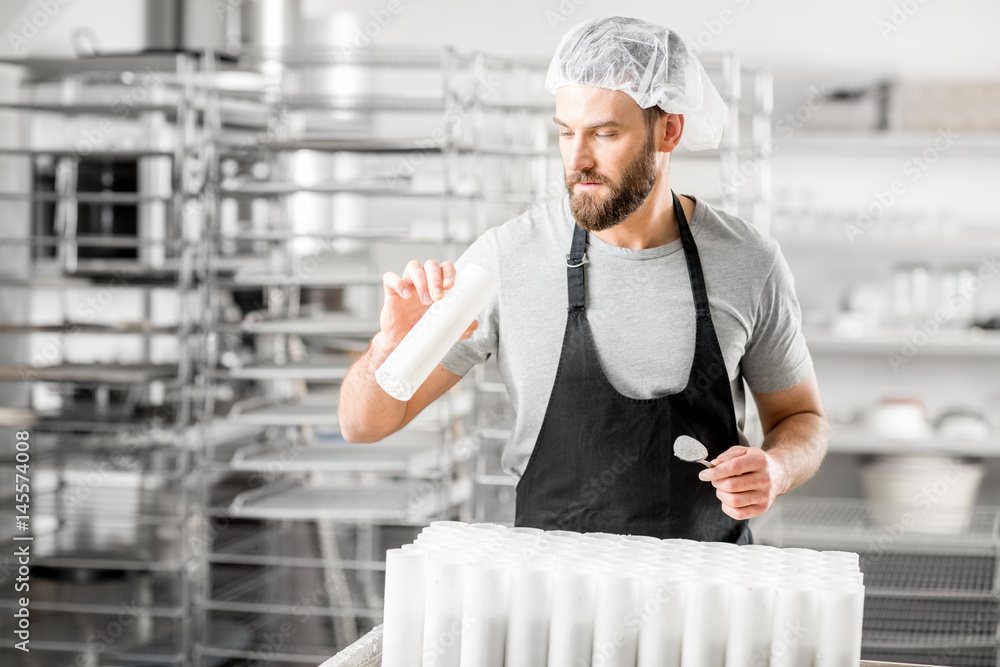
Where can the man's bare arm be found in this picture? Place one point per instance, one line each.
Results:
(364, 411)
(367, 414)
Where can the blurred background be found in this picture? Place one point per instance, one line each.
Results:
(198, 200)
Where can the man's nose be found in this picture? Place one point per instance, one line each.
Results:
(579, 157)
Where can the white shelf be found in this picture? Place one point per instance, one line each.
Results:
(322, 369)
(946, 343)
(986, 144)
(855, 440)
(957, 245)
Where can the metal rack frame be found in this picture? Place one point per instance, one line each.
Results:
(141, 455)
(283, 474)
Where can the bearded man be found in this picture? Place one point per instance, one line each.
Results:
(627, 316)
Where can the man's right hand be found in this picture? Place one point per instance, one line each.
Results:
(365, 412)
(408, 297)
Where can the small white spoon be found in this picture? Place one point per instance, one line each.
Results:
(688, 449)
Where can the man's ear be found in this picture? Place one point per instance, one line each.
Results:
(674, 130)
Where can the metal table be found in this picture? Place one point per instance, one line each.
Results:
(367, 652)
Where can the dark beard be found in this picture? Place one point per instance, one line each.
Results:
(596, 214)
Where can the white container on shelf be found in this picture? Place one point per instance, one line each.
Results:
(925, 494)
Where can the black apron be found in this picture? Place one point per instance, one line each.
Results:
(604, 462)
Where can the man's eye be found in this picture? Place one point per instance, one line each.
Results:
(567, 135)
(606, 136)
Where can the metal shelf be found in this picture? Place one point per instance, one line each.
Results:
(86, 197)
(419, 459)
(299, 543)
(316, 279)
(280, 590)
(840, 523)
(405, 503)
(330, 324)
(131, 454)
(94, 241)
(308, 639)
(92, 373)
(899, 623)
(98, 64)
(403, 58)
(368, 103)
(80, 280)
(73, 328)
(398, 235)
(276, 189)
(931, 575)
(91, 421)
(96, 154)
(312, 410)
(156, 594)
(87, 108)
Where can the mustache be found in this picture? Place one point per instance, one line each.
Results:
(586, 177)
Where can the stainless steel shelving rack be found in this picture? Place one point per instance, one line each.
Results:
(339, 183)
(105, 396)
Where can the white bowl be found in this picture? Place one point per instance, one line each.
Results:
(923, 494)
(898, 421)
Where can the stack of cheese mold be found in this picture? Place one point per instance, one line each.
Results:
(484, 595)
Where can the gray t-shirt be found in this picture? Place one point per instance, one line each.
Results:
(640, 308)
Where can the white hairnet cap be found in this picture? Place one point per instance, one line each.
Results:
(647, 62)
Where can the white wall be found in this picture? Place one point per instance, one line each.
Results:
(801, 37)
(46, 27)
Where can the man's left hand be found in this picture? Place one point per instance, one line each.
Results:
(746, 480)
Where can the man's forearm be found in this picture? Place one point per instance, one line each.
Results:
(798, 443)
(365, 412)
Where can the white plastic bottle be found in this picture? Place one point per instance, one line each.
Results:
(423, 348)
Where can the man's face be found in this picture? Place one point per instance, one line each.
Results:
(608, 152)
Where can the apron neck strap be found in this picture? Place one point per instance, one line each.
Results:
(575, 260)
(698, 289)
